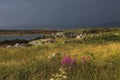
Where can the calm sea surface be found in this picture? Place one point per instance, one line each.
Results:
(25, 37)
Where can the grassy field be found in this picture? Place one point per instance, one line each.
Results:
(97, 57)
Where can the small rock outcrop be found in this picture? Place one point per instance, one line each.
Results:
(13, 42)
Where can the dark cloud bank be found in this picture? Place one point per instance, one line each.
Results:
(59, 13)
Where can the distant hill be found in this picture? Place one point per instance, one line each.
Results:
(59, 27)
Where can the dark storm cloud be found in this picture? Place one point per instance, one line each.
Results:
(58, 11)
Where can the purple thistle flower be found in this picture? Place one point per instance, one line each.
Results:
(67, 61)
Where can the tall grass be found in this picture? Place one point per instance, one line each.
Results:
(32, 63)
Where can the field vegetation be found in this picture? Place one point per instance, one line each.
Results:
(96, 57)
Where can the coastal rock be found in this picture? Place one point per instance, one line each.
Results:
(18, 45)
(35, 43)
(77, 37)
(41, 41)
(13, 42)
(9, 46)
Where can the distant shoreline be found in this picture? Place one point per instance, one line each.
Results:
(25, 32)
(5, 32)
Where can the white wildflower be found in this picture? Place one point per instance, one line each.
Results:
(64, 77)
(52, 79)
(63, 72)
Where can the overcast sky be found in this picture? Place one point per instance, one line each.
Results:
(14, 12)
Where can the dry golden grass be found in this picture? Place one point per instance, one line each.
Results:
(15, 56)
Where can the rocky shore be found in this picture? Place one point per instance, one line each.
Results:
(50, 37)
(17, 43)
(46, 38)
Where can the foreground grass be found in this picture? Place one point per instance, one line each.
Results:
(32, 63)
